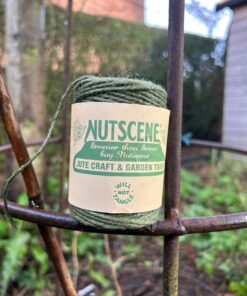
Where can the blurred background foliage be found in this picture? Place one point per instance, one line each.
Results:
(216, 255)
(108, 47)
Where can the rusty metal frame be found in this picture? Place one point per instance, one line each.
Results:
(173, 226)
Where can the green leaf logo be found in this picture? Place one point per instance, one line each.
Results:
(78, 131)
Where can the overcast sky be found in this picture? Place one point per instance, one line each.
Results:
(156, 14)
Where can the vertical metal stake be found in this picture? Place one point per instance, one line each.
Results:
(173, 162)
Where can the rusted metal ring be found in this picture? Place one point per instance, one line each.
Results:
(8, 147)
(218, 145)
(194, 142)
(168, 227)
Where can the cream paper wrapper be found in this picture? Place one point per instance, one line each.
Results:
(117, 157)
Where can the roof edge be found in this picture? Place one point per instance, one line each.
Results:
(231, 4)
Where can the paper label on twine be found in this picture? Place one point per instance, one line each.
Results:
(117, 157)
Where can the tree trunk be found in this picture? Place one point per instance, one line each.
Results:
(25, 34)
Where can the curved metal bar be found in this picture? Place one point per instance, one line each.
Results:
(8, 147)
(51, 218)
(201, 143)
(168, 227)
(218, 145)
(215, 223)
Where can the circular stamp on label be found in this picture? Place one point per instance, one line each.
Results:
(123, 194)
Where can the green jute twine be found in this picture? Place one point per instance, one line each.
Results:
(111, 90)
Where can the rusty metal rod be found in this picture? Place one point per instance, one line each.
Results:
(173, 161)
(195, 142)
(182, 226)
(8, 147)
(35, 200)
(218, 145)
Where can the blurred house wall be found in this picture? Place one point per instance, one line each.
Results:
(126, 10)
(235, 91)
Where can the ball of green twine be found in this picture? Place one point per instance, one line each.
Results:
(101, 89)
(117, 90)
